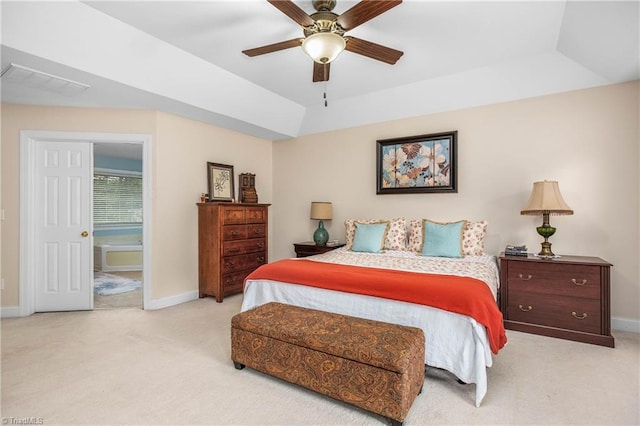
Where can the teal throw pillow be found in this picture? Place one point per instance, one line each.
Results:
(369, 237)
(442, 239)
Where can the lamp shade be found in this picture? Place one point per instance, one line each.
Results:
(323, 47)
(321, 210)
(546, 198)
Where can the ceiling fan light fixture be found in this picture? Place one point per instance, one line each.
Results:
(323, 47)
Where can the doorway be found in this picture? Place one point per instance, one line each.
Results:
(117, 226)
(29, 204)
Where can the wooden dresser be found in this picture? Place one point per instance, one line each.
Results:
(232, 242)
(565, 297)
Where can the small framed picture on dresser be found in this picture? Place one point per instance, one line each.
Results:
(220, 180)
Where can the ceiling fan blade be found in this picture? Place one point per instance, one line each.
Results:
(294, 42)
(373, 50)
(292, 11)
(364, 11)
(320, 72)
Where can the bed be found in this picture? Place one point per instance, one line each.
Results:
(453, 300)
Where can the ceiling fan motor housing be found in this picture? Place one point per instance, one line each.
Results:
(323, 4)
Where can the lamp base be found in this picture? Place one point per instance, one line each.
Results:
(321, 236)
(546, 250)
(546, 231)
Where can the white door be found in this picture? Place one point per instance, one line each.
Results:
(64, 237)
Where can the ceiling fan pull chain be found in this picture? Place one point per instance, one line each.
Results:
(326, 103)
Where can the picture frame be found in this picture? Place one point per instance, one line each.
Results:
(417, 164)
(220, 180)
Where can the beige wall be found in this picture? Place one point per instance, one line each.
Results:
(587, 140)
(180, 150)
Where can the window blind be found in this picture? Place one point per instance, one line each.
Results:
(117, 198)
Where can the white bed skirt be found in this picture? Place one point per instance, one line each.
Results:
(454, 342)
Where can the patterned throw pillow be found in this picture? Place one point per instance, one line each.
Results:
(396, 232)
(472, 237)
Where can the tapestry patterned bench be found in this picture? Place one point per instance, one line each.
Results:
(373, 365)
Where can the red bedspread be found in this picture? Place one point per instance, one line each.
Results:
(462, 295)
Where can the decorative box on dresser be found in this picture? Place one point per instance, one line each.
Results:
(232, 242)
(565, 297)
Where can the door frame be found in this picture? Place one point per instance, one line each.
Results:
(28, 140)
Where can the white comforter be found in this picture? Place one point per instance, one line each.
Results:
(454, 342)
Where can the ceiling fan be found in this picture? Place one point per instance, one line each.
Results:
(324, 33)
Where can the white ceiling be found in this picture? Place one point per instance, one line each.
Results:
(185, 58)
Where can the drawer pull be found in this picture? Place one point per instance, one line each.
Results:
(523, 278)
(583, 282)
(256, 231)
(260, 245)
(235, 233)
(260, 259)
(233, 249)
(229, 265)
(576, 316)
(527, 309)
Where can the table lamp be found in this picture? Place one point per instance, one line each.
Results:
(321, 210)
(546, 199)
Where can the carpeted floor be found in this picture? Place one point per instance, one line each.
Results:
(172, 366)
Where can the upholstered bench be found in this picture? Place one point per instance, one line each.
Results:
(373, 365)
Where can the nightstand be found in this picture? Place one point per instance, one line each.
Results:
(565, 297)
(309, 248)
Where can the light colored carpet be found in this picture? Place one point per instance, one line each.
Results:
(172, 366)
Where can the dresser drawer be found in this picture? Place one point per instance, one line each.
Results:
(230, 248)
(234, 232)
(555, 311)
(243, 262)
(256, 231)
(233, 282)
(255, 215)
(557, 279)
(233, 215)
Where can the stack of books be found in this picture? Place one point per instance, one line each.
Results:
(516, 251)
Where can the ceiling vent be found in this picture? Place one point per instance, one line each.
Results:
(40, 80)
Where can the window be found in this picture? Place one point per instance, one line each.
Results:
(117, 197)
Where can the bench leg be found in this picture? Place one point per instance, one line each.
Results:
(395, 422)
(238, 365)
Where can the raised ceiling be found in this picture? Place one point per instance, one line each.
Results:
(185, 58)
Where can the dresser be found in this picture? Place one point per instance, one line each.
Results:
(309, 248)
(232, 242)
(565, 297)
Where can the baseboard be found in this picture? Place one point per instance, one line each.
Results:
(10, 311)
(625, 324)
(166, 302)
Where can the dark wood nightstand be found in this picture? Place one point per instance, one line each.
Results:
(309, 248)
(565, 297)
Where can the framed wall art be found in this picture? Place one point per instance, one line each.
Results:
(220, 179)
(417, 164)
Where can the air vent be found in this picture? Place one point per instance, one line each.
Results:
(40, 80)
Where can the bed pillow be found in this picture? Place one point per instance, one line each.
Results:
(442, 239)
(472, 237)
(369, 237)
(396, 233)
